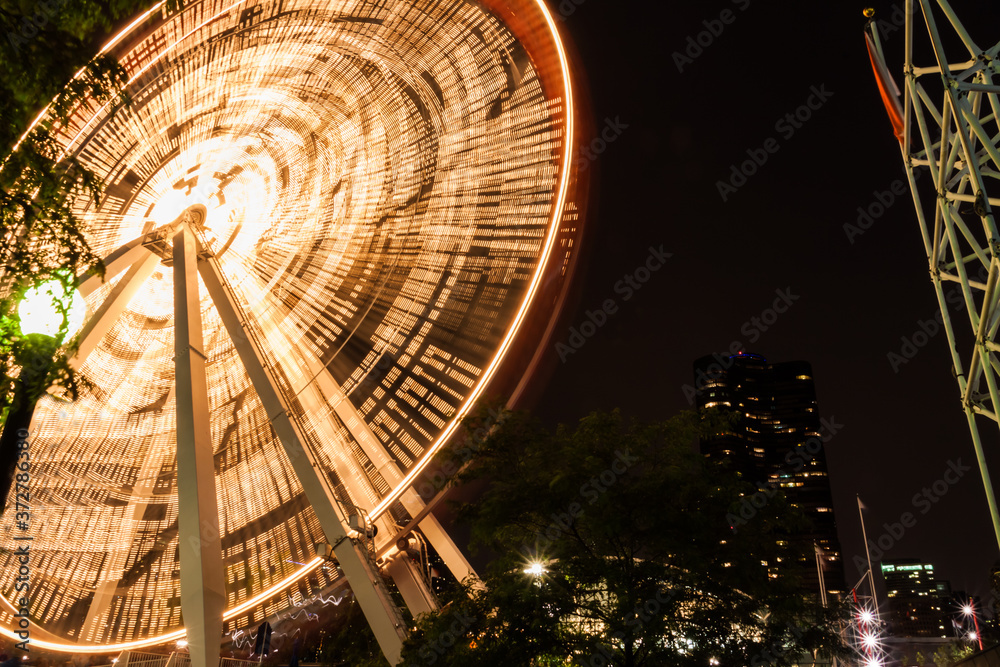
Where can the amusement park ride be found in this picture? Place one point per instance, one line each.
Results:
(329, 229)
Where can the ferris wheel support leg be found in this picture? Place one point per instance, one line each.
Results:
(446, 548)
(203, 590)
(412, 586)
(365, 580)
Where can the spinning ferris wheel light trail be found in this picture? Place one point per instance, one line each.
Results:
(947, 126)
(328, 230)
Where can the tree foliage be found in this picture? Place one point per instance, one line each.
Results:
(954, 652)
(641, 566)
(47, 57)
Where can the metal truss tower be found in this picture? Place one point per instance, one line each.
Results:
(949, 127)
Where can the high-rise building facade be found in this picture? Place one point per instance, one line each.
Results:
(777, 441)
(917, 601)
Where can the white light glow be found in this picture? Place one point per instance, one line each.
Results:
(535, 569)
(39, 312)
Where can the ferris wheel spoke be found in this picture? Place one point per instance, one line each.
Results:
(114, 305)
(114, 263)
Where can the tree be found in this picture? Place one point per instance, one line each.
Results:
(638, 564)
(351, 641)
(952, 653)
(47, 57)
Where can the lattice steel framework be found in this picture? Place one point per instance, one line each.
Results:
(953, 135)
(389, 199)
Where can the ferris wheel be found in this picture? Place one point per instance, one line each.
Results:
(948, 125)
(329, 228)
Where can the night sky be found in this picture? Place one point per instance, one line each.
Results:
(851, 300)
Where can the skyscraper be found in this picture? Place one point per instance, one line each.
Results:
(917, 601)
(777, 441)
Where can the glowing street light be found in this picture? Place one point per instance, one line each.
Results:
(535, 569)
(47, 313)
(40, 311)
(969, 610)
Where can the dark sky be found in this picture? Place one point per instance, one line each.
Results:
(783, 230)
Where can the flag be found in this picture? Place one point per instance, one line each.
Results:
(887, 88)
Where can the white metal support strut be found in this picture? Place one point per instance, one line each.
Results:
(365, 580)
(114, 305)
(203, 589)
(446, 548)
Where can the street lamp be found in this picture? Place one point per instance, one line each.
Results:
(536, 569)
(968, 610)
(46, 314)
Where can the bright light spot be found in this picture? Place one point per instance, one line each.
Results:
(873, 662)
(973, 636)
(713, 661)
(535, 569)
(967, 610)
(866, 616)
(869, 640)
(38, 310)
(181, 643)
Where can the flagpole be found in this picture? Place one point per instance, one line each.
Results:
(864, 535)
(819, 572)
